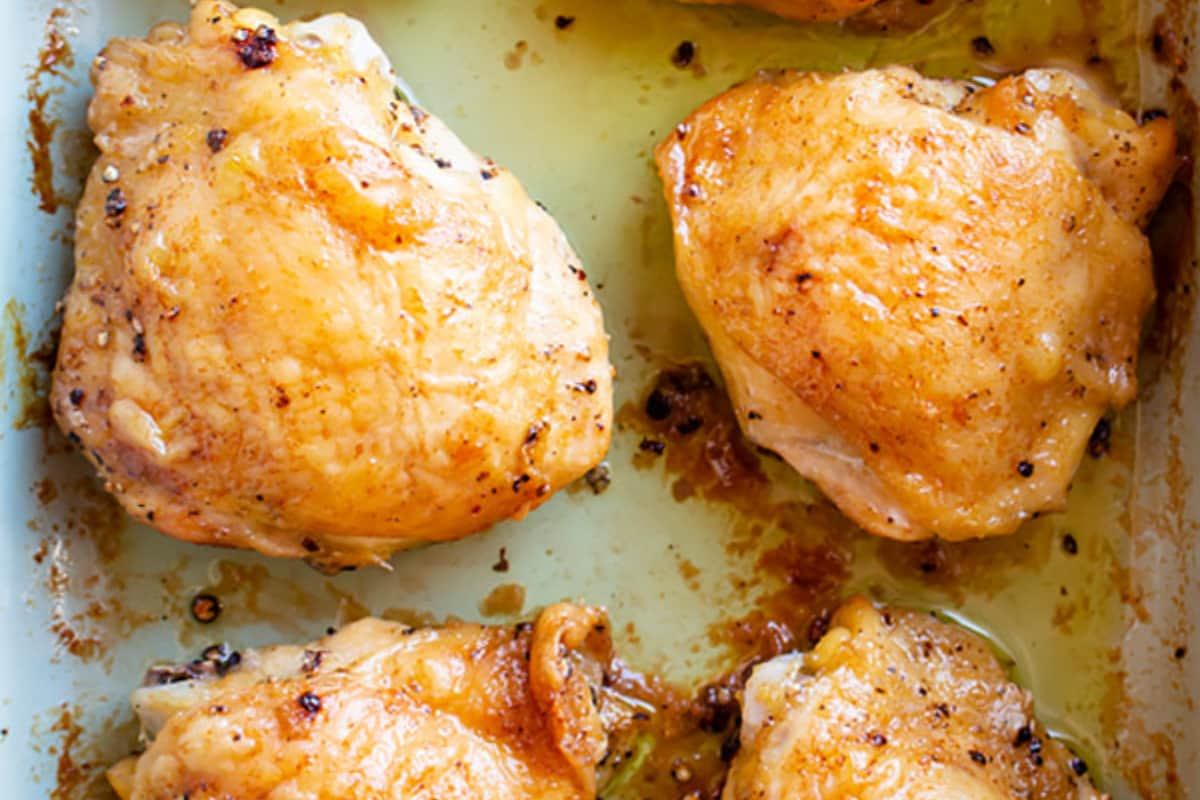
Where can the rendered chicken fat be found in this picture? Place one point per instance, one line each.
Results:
(894, 705)
(383, 711)
(923, 295)
(801, 10)
(305, 318)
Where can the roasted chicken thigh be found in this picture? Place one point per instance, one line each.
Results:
(922, 294)
(894, 705)
(305, 318)
(380, 710)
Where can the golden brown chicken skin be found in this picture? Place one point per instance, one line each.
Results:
(801, 10)
(923, 295)
(305, 318)
(381, 711)
(894, 705)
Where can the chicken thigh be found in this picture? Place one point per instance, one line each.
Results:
(305, 318)
(380, 710)
(922, 294)
(895, 705)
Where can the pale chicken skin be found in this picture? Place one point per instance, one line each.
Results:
(380, 711)
(923, 295)
(895, 705)
(305, 318)
(801, 10)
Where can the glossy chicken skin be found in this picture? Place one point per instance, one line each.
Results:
(923, 296)
(305, 318)
(895, 705)
(379, 710)
(801, 10)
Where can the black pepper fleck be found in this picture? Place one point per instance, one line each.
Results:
(1099, 443)
(115, 204)
(684, 53)
(983, 46)
(1025, 469)
(1069, 545)
(206, 608)
(312, 660)
(1078, 766)
(501, 564)
(598, 478)
(658, 407)
(259, 49)
(309, 702)
(220, 657)
(977, 757)
(563, 22)
(216, 139)
(76, 396)
(652, 446)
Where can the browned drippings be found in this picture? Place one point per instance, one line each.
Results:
(54, 58)
(81, 525)
(685, 734)
(33, 360)
(985, 566)
(78, 773)
(686, 420)
(803, 555)
(506, 600)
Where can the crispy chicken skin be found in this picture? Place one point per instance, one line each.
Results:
(380, 710)
(801, 10)
(895, 705)
(921, 295)
(305, 318)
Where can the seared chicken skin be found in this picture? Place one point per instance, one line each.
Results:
(379, 710)
(305, 318)
(801, 10)
(895, 705)
(921, 295)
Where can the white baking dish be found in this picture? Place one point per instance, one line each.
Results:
(89, 600)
